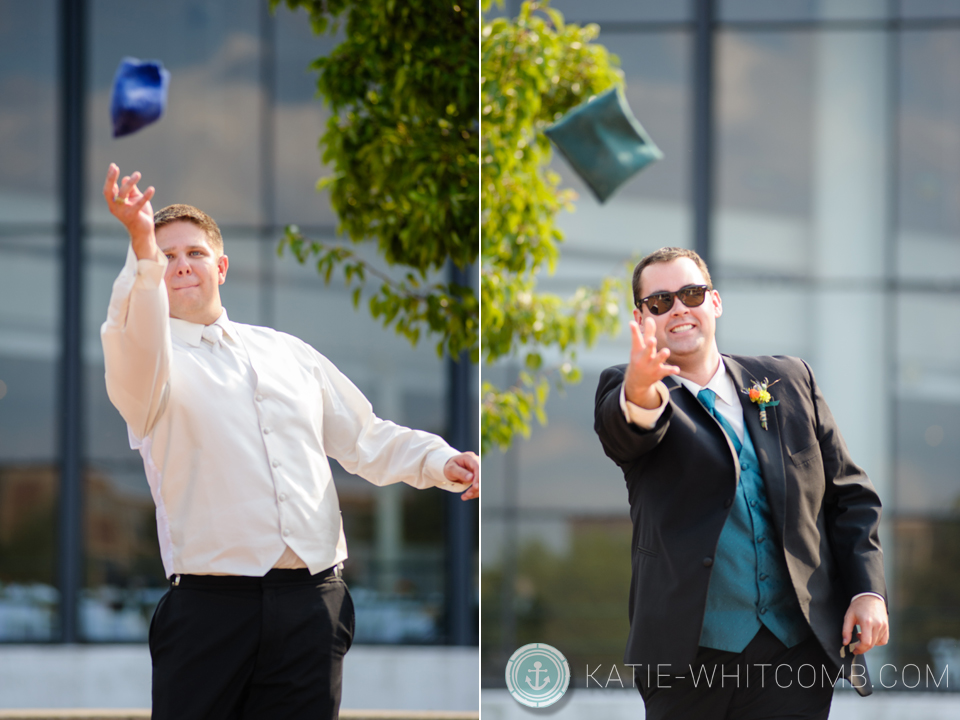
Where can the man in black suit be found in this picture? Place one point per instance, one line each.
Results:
(755, 548)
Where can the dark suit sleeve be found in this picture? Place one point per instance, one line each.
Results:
(622, 441)
(851, 507)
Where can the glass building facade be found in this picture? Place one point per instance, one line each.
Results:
(79, 558)
(812, 155)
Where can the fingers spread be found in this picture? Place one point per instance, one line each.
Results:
(144, 199)
(110, 184)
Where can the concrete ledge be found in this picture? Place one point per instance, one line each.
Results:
(409, 678)
(145, 715)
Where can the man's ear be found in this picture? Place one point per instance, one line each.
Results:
(223, 262)
(717, 303)
(638, 316)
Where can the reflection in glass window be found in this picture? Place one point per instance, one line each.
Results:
(29, 476)
(927, 553)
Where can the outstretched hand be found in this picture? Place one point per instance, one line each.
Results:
(647, 366)
(133, 209)
(464, 468)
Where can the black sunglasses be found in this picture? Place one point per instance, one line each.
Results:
(692, 296)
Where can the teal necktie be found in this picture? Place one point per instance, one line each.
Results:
(709, 400)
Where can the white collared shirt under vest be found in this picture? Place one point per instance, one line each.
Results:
(234, 423)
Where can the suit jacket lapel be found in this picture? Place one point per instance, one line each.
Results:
(765, 442)
(687, 401)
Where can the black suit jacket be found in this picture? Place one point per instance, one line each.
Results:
(681, 477)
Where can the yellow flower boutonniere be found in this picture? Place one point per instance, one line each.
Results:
(760, 394)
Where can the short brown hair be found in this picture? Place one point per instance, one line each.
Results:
(188, 213)
(666, 254)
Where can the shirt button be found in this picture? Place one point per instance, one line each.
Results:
(728, 502)
(276, 464)
(286, 533)
(707, 561)
(258, 398)
(283, 496)
(266, 431)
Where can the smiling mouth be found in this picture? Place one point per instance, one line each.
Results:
(681, 328)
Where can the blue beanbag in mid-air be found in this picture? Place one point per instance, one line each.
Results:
(604, 142)
(139, 95)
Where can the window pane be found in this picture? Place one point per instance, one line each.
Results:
(928, 451)
(28, 112)
(929, 179)
(29, 474)
(802, 161)
(824, 10)
(927, 553)
(929, 8)
(300, 119)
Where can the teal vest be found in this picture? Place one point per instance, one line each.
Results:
(749, 583)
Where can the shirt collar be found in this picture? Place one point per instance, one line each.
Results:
(721, 383)
(191, 333)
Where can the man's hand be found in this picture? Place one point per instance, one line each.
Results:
(132, 207)
(870, 613)
(464, 468)
(646, 366)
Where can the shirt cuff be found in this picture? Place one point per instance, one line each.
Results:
(151, 270)
(877, 595)
(641, 416)
(433, 470)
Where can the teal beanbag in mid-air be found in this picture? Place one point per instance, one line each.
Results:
(604, 142)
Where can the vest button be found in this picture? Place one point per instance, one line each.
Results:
(763, 576)
(763, 611)
(707, 561)
(760, 539)
(728, 502)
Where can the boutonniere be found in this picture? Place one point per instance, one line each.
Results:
(760, 394)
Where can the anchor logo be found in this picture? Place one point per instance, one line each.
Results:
(537, 669)
(537, 675)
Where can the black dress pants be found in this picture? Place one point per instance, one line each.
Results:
(248, 647)
(767, 681)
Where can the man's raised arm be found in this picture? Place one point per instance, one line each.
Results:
(136, 335)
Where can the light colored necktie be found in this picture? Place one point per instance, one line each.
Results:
(213, 334)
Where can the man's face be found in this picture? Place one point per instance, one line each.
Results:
(194, 272)
(689, 333)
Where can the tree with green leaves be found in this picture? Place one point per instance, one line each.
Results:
(401, 144)
(534, 68)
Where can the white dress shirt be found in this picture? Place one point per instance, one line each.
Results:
(728, 405)
(234, 423)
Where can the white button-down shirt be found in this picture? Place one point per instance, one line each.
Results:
(235, 428)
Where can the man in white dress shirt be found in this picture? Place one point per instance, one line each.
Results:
(235, 423)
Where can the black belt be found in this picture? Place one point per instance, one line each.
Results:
(277, 576)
